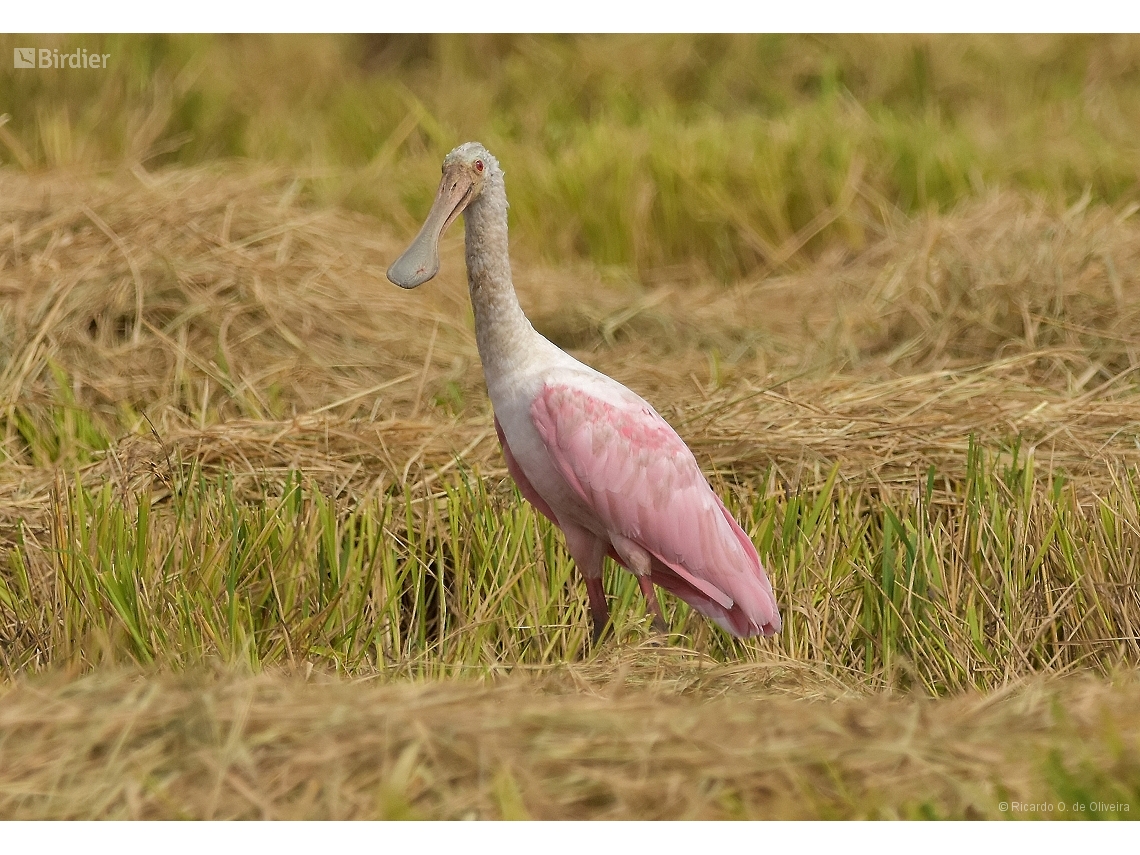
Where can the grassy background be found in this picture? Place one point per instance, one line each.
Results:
(728, 152)
(884, 286)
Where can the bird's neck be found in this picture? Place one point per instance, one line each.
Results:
(502, 331)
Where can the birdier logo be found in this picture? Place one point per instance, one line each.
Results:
(30, 57)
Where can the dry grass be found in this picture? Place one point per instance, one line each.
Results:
(644, 734)
(200, 299)
(268, 339)
(934, 442)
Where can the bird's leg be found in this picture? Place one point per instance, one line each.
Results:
(588, 552)
(599, 611)
(640, 563)
(646, 584)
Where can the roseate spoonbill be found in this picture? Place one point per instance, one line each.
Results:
(592, 456)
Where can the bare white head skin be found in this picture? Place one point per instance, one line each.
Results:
(466, 170)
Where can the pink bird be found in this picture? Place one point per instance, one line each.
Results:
(592, 456)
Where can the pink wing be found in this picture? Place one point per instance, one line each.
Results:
(632, 470)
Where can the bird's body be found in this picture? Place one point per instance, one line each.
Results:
(590, 454)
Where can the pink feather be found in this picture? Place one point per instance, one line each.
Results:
(640, 481)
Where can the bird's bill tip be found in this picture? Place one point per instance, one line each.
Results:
(416, 266)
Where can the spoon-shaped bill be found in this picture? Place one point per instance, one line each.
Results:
(420, 261)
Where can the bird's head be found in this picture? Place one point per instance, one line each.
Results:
(465, 172)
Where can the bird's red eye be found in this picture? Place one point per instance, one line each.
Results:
(478, 166)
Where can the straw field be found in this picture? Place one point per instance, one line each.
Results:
(259, 552)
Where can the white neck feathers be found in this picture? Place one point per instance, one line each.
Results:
(502, 330)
